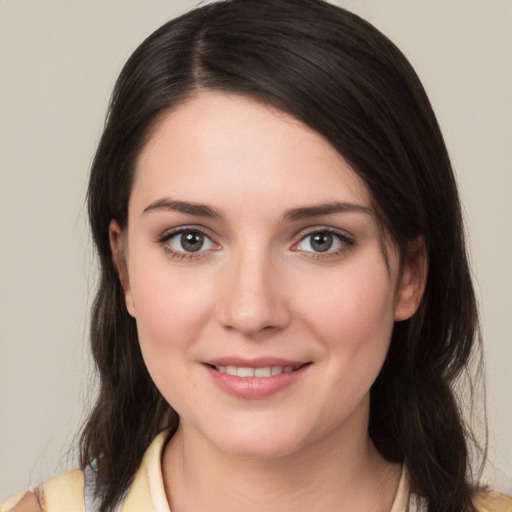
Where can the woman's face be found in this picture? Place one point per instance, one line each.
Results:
(254, 266)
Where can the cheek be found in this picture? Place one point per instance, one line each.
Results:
(170, 303)
(356, 303)
(354, 319)
(170, 313)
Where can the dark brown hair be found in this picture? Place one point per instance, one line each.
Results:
(339, 75)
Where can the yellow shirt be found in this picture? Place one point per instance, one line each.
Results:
(69, 492)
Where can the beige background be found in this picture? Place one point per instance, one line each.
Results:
(58, 62)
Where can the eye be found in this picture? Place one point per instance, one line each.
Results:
(188, 241)
(323, 241)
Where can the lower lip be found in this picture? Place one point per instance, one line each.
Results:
(252, 388)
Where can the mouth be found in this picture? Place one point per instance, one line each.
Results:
(257, 372)
(255, 379)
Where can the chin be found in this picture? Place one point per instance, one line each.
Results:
(260, 441)
(262, 448)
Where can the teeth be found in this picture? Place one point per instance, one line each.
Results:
(245, 372)
(262, 372)
(266, 371)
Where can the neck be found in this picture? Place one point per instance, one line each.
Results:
(330, 474)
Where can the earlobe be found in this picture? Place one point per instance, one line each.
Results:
(412, 281)
(117, 246)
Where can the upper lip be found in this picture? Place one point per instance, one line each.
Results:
(256, 362)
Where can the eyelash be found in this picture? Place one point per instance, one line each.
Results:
(166, 237)
(342, 238)
(346, 243)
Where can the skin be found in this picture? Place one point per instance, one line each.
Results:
(259, 288)
(28, 503)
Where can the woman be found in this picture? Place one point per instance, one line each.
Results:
(285, 302)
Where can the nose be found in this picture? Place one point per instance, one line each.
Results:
(254, 299)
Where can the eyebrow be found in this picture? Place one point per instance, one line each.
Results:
(307, 212)
(190, 208)
(295, 214)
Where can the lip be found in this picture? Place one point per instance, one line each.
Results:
(253, 362)
(253, 388)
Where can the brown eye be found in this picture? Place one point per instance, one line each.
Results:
(321, 242)
(188, 241)
(192, 242)
(324, 241)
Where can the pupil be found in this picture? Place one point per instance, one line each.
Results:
(322, 242)
(192, 242)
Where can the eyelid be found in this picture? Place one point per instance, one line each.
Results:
(347, 240)
(168, 234)
(304, 232)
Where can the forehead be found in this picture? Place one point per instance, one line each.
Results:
(217, 145)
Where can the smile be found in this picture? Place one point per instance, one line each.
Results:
(263, 372)
(251, 380)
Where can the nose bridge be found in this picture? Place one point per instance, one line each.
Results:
(253, 300)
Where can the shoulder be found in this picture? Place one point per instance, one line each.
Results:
(73, 490)
(61, 493)
(492, 501)
(28, 501)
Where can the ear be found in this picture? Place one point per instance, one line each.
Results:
(117, 246)
(412, 280)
